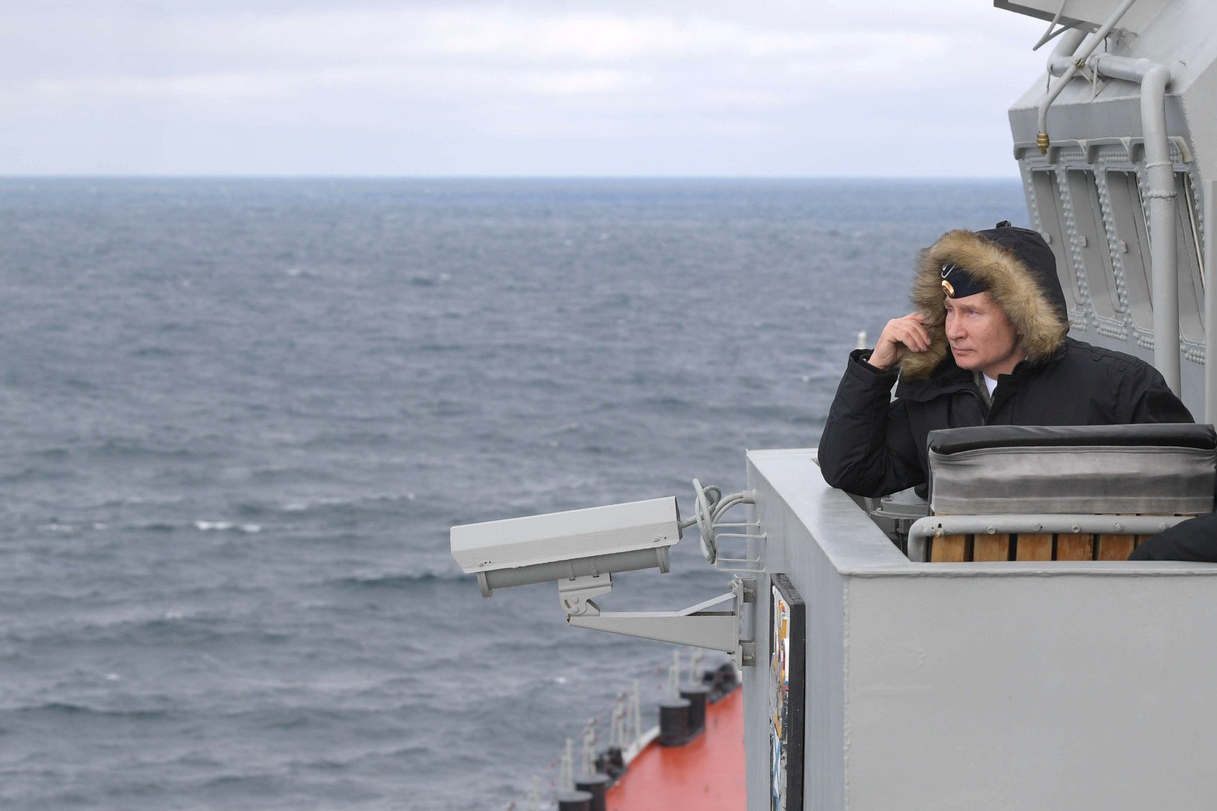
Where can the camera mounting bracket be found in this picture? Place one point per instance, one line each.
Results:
(713, 624)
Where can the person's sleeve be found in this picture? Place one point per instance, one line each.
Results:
(1192, 540)
(867, 446)
(1153, 401)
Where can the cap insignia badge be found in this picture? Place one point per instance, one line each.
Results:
(947, 286)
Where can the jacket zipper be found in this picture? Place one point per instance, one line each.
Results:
(984, 417)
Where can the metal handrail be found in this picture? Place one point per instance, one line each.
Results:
(1071, 524)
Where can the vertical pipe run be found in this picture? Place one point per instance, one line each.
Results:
(1210, 301)
(1163, 248)
(1160, 177)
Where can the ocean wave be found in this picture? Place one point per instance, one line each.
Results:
(438, 347)
(156, 526)
(62, 708)
(267, 784)
(334, 762)
(344, 503)
(226, 526)
(58, 527)
(175, 629)
(55, 528)
(153, 352)
(197, 525)
(136, 448)
(409, 580)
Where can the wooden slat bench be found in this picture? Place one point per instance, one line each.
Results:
(982, 547)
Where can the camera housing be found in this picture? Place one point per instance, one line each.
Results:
(567, 545)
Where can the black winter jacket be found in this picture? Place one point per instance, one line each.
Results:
(1194, 539)
(873, 445)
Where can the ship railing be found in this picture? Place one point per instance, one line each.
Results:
(1032, 537)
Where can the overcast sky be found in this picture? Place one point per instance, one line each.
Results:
(466, 87)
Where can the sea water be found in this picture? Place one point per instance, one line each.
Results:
(239, 417)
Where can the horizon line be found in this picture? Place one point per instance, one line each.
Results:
(498, 177)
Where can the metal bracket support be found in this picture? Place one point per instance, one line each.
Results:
(705, 625)
(576, 594)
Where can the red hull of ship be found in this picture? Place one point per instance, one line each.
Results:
(707, 773)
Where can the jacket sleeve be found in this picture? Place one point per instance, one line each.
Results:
(1151, 400)
(867, 446)
(1194, 539)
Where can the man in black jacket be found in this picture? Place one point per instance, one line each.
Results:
(987, 345)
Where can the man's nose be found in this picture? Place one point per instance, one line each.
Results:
(953, 328)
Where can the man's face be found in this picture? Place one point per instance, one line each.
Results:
(981, 336)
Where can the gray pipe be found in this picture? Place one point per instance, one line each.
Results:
(1041, 139)
(1160, 179)
(1160, 176)
(1065, 49)
(1210, 302)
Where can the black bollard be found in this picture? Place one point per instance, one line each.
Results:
(674, 722)
(696, 696)
(597, 786)
(574, 801)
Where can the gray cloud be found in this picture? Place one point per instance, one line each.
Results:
(311, 86)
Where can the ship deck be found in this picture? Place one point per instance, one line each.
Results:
(707, 773)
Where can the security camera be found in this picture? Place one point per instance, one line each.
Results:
(580, 550)
(568, 545)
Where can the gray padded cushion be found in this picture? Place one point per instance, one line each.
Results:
(1182, 434)
(1161, 469)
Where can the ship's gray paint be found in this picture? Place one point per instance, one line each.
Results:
(1096, 127)
(1082, 685)
(1071, 685)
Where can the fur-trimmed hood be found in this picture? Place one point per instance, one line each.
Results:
(1019, 270)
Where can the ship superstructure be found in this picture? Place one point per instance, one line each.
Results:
(1115, 143)
(1047, 673)
(899, 653)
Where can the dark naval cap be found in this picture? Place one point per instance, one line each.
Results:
(958, 283)
(1027, 246)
